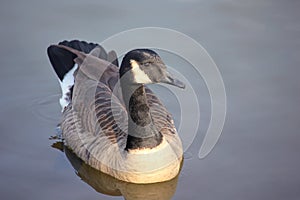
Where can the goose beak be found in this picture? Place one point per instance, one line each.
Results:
(170, 79)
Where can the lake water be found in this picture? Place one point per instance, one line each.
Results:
(255, 44)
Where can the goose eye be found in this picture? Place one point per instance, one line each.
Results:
(146, 64)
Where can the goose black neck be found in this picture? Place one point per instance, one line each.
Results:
(142, 132)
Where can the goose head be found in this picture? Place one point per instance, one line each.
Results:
(144, 66)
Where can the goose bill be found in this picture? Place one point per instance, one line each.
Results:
(170, 79)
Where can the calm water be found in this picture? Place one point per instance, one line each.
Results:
(256, 45)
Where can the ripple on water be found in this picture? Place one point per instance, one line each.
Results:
(47, 108)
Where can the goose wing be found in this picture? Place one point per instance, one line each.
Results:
(98, 109)
(162, 118)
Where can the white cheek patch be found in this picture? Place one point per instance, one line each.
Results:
(139, 75)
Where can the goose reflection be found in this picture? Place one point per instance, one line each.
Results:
(108, 185)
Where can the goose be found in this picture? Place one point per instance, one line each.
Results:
(111, 119)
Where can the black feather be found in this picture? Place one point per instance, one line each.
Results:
(63, 60)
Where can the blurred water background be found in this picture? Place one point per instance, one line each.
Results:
(256, 45)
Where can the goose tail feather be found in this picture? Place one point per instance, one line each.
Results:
(62, 61)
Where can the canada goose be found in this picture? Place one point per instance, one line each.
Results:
(111, 120)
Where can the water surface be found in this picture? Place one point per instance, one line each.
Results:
(256, 45)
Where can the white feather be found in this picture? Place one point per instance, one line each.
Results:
(65, 85)
(139, 75)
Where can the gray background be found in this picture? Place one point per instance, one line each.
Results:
(256, 45)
